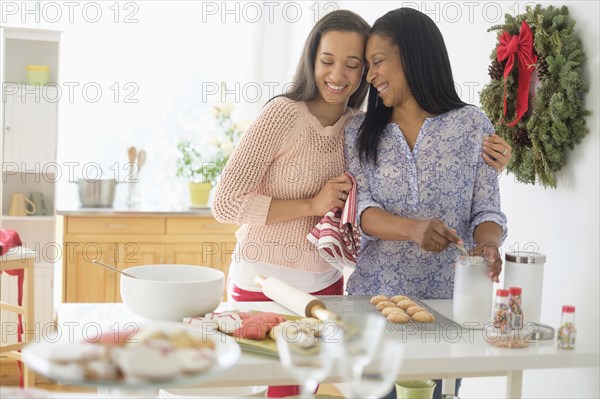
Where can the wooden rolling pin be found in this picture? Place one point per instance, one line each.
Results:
(295, 300)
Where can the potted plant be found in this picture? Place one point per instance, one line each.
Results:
(203, 168)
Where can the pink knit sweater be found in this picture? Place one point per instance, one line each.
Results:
(285, 154)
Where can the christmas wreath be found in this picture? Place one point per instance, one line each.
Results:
(535, 97)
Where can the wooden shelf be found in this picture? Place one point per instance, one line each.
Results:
(29, 218)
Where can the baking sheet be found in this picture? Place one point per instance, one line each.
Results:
(352, 308)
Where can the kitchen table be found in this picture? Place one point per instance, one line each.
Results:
(426, 355)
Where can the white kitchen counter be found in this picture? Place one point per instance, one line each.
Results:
(426, 355)
(145, 209)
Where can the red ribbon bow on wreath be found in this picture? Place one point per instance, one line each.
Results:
(521, 46)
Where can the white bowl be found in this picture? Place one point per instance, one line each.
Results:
(172, 292)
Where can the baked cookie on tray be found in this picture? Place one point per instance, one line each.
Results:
(378, 298)
(398, 317)
(401, 309)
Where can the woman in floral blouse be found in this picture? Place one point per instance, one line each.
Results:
(422, 181)
(417, 158)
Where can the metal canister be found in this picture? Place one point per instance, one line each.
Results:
(526, 270)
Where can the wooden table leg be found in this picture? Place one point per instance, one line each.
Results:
(514, 384)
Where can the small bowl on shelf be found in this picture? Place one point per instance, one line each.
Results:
(171, 292)
(37, 75)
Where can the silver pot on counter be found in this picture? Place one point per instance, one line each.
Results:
(97, 193)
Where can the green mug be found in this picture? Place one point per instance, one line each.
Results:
(42, 207)
(415, 389)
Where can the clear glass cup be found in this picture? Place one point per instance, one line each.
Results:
(376, 377)
(133, 195)
(309, 362)
(361, 341)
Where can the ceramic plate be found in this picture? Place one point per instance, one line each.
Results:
(268, 346)
(227, 353)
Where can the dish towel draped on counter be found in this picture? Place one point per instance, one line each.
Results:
(337, 236)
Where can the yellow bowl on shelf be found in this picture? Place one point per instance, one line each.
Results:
(37, 75)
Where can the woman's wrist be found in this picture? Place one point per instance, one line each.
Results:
(409, 227)
(307, 207)
(488, 233)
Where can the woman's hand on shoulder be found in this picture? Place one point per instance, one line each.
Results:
(433, 235)
(496, 152)
(333, 194)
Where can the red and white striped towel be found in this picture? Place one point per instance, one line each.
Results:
(337, 236)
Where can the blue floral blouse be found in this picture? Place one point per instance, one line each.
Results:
(444, 177)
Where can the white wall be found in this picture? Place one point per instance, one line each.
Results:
(158, 67)
(565, 225)
(563, 222)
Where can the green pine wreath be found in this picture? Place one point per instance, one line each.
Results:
(555, 120)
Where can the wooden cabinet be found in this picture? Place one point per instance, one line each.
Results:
(88, 282)
(128, 241)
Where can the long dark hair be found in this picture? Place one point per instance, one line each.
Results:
(304, 87)
(426, 67)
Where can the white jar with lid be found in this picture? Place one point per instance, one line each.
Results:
(473, 292)
(526, 270)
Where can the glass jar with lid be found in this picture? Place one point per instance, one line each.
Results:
(566, 331)
(501, 316)
(526, 270)
(515, 306)
(473, 291)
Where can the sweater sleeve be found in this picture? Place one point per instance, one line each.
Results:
(237, 199)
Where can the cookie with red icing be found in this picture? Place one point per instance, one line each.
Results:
(256, 325)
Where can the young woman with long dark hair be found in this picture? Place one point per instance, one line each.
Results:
(287, 171)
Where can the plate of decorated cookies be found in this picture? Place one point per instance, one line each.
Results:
(153, 355)
(257, 331)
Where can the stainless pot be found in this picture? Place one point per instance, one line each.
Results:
(98, 193)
